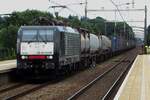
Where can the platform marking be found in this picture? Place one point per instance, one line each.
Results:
(7, 61)
(143, 80)
(125, 81)
(2, 65)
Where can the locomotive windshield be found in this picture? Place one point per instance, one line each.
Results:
(37, 35)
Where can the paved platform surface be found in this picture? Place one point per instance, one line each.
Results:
(136, 85)
(7, 65)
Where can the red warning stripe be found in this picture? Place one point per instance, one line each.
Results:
(37, 57)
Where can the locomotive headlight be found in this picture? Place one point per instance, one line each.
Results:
(50, 57)
(24, 57)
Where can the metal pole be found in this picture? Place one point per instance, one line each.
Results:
(145, 28)
(105, 27)
(86, 8)
(115, 22)
(124, 24)
(133, 3)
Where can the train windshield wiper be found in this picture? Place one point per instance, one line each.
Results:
(42, 39)
(46, 37)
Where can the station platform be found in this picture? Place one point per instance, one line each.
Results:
(8, 65)
(136, 85)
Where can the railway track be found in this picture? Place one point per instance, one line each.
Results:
(10, 87)
(115, 86)
(19, 90)
(27, 91)
(86, 92)
(31, 89)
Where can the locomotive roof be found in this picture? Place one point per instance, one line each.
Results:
(59, 28)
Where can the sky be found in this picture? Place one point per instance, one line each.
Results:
(8, 6)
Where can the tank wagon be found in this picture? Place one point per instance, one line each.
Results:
(41, 49)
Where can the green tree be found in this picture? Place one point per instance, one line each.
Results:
(8, 36)
(9, 25)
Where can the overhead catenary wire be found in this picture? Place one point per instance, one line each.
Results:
(133, 2)
(119, 14)
(81, 3)
(70, 4)
(68, 8)
(112, 10)
(117, 10)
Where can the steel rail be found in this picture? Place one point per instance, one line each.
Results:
(115, 84)
(28, 91)
(12, 87)
(81, 91)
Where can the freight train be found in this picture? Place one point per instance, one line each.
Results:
(41, 49)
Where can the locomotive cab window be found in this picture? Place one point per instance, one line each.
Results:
(29, 35)
(44, 35)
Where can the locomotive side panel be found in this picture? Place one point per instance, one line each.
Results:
(70, 46)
